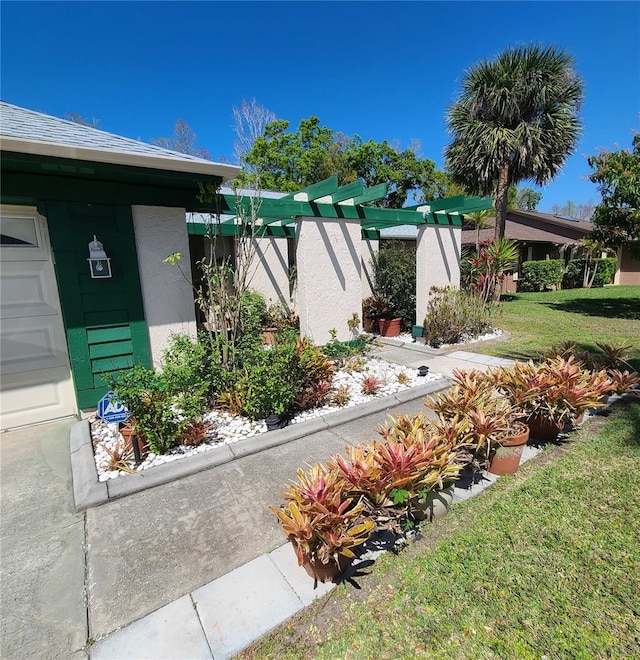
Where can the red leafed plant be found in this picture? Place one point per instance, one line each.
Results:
(370, 385)
(319, 519)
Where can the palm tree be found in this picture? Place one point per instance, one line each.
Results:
(516, 118)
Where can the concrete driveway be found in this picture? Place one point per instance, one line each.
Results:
(43, 611)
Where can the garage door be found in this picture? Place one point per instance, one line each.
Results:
(36, 383)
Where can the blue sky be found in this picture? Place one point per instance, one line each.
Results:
(384, 70)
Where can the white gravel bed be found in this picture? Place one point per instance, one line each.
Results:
(407, 338)
(227, 428)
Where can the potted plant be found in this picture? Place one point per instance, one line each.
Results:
(490, 430)
(551, 395)
(430, 493)
(374, 308)
(322, 522)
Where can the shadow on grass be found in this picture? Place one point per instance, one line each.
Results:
(629, 408)
(611, 308)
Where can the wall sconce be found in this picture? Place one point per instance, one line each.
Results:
(99, 263)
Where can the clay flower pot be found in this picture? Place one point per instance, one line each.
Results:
(326, 572)
(507, 457)
(390, 327)
(369, 325)
(133, 439)
(543, 428)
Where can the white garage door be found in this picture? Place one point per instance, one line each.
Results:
(36, 383)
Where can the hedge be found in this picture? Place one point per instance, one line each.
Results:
(541, 275)
(574, 273)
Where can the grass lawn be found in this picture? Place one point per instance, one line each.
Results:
(544, 564)
(538, 321)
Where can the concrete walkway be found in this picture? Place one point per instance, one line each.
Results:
(44, 612)
(198, 565)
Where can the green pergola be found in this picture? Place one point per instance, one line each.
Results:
(326, 199)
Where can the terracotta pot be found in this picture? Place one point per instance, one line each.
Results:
(128, 434)
(369, 325)
(269, 336)
(390, 327)
(324, 572)
(542, 428)
(436, 505)
(506, 458)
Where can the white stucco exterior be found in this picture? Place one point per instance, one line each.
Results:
(270, 270)
(329, 276)
(167, 297)
(369, 247)
(437, 262)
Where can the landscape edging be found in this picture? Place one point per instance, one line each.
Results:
(88, 492)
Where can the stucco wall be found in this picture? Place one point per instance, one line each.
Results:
(270, 269)
(437, 262)
(329, 270)
(167, 297)
(369, 247)
(628, 271)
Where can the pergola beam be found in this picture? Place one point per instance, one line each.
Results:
(327, 200)
(315, 190)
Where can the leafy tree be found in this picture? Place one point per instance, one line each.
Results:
(183, 141)
(516, 119)
(528, 199)
(290, 160)
(617, 173)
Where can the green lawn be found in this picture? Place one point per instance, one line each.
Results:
(538, 321)
(544, 564)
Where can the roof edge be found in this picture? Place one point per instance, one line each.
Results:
(40, 148)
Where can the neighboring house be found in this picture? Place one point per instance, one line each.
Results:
(546, 236)
(540, 236)
(628, 271)
(63, 183)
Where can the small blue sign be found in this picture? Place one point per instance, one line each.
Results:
(111, 409)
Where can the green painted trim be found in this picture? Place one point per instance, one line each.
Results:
(317, 190)
(370, 235)
(372, 194)
(271, 230)
(104, 319)
(115, 334)
(20, 185)
(109, 349)
(348, 191)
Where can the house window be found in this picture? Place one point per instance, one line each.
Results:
(18, 231)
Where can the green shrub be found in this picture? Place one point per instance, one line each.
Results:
(253, 312)
(272, 382)
(541, 275)
(154, 409)
(186, 373)
(574, 275)
(394, 274)
(454, 313)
